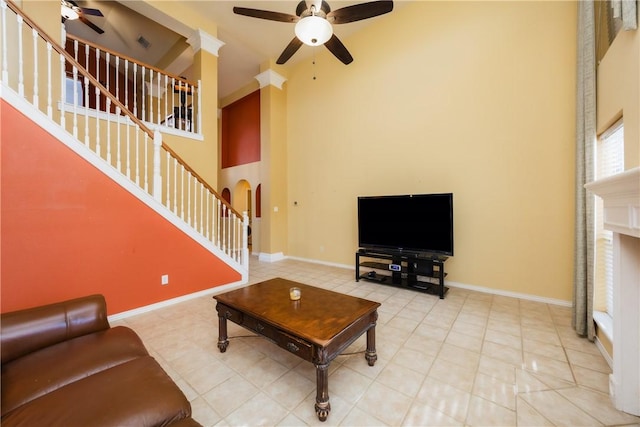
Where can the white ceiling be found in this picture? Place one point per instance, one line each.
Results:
(249, 42)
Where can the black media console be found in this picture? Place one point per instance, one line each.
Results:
(419, 272)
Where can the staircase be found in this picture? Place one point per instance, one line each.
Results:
(119, 129)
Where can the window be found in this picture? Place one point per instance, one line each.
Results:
(609, 160)
(70, 96)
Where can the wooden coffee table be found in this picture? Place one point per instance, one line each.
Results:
(316, 328)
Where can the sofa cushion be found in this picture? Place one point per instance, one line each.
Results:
(26, 331)
(135, 393)
(51, 368)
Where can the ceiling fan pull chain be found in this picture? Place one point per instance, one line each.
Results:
(314, 61)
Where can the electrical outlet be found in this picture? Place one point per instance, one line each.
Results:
(164, 280)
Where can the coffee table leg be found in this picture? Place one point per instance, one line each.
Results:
(223, 339)
(322, 397)
(371, 354)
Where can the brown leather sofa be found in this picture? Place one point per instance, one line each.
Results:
(62, 364)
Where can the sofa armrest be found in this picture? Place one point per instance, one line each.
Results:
(25, 331)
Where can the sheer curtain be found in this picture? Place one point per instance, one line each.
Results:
(585, 139)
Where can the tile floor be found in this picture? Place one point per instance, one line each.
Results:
(470, 359)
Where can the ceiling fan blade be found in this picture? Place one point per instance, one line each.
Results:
(302, 6)
(336, 47)
(89, 11)
(266, 14)
(361, 11)
(324, 6)
(288, 51)
(91, 25)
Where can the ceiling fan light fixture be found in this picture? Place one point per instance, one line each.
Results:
(68, 11)
(313, 30)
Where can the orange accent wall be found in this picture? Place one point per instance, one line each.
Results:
(240, 131)
(68, 230)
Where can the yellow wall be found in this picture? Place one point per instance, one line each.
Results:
(201, 156)
(273, 171)
(619, 92)
(474, 98)
(181, 12)
(39, 12)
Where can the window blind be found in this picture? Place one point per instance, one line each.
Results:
(609, 161)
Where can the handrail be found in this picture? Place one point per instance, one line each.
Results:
(199, 178)
(175, 185)
(130, 59)
(80, 68)
(186, 119)
(117, 102)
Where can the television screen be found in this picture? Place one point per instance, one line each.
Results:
(420, 223)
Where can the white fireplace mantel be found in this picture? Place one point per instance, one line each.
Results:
(621, 201)
(621, 198)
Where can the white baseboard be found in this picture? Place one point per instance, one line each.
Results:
(315, 261)
(170, 302)
(604, 353)
(450, 284)
(511, 294)
(280, 257)
(604, 324)
(264, 257)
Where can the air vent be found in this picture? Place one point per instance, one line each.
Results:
(144, 42)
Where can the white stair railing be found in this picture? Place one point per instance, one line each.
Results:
(114, 133)
(173, 101)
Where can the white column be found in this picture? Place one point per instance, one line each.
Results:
(624, 383)
(270, 77)
(621, 200)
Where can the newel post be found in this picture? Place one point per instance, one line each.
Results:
(157, 178)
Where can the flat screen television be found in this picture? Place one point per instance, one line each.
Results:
(418, 223)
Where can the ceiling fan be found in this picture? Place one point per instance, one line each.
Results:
(70, 10)
(314, 24)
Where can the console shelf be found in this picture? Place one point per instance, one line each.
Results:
(422, 273)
